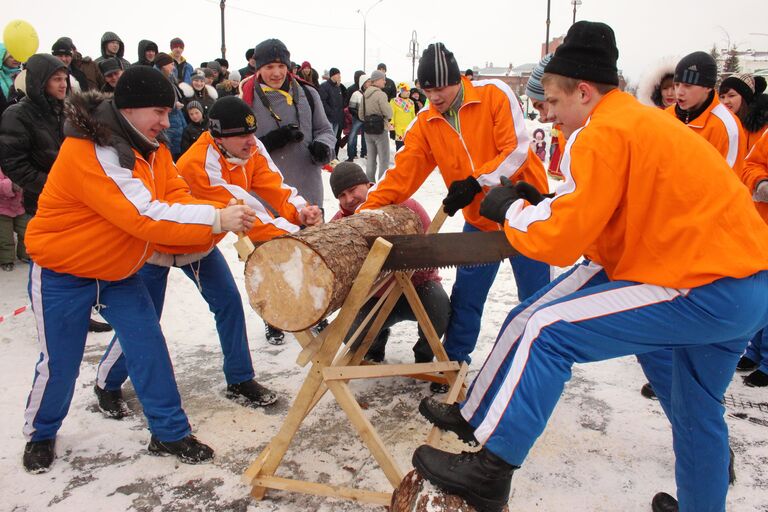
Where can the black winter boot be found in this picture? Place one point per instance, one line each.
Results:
(663, 502)
(648, 392)
(448, 417)
(95, 326)
(39, 455)
(731, 470)
(378, 348)
(251, 393)
(745, 364)
(481, 478)
(188, 450)
(756, 379)
(274, 335)
(111, 403)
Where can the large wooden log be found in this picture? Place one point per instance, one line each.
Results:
(295, 281)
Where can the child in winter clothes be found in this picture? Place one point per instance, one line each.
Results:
(403, 112)
(539, 145)
(198, 123)
(12, 219)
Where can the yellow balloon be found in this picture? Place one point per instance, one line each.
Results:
(20, 39)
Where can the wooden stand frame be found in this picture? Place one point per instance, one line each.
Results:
(333, 369)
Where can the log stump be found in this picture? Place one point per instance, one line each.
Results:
(415, 494)
(295, 281)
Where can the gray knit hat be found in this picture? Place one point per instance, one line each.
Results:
(346, 175)
(377, 75)
(533, 88)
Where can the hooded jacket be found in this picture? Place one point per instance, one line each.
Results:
(111, 197)
(650, 83)
(144, 45)
(207, 96)
(111, 36)
(31, 131)
(493, 142)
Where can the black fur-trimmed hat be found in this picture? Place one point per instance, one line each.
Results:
(271, 50)
(143, 86)
(438, 67)
(230, 116)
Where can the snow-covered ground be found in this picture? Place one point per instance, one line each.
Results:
(606, 447)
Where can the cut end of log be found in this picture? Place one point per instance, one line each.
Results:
(288, 298)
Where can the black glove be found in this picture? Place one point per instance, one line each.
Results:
(281, 137)
(498, 200)
(321, 154)
(530, 193)
(460, 194)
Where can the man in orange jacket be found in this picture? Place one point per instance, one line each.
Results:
(224, 164)
(112, 196)
(474, 132)
(700, 109)
(653, 208)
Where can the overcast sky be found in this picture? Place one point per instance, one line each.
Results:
(329, 33)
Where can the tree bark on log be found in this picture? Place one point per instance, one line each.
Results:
(295, 281)
(414, 494)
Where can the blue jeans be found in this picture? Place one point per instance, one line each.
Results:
(62, 307)
(757, 350)
(583, 317)
(220, 292)
(357, 129)
(470, 290)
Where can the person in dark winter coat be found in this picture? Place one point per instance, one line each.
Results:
(111, 71)
(309, 74)
(31, 131)
(418, 98)
(198, 123)
(112, 46)
(199, 91)
(176, 118)
(249, 69)
(147, 52)
(82, 67)
(230, 86)
(64, 52)
(389, 85)
(333, 99)
(182, 69)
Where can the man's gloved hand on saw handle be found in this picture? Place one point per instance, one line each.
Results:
(498, 200)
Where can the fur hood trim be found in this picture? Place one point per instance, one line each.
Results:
(652, 79)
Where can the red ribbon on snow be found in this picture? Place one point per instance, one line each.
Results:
(15, 312)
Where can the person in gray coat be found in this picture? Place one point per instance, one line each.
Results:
(296, 133)
(375, 103)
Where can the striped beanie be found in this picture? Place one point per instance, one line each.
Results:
(534, 89)
(438, 67)
(697, 68)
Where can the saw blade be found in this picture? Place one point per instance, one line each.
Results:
(420, 252)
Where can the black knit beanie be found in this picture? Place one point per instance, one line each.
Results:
(346, 175)
(269, 51)
(143, 86)
(163, 59)
(61, 47)
(697, 68)
(438, 67)
(745, 84)
(230, 116)
(588, 52)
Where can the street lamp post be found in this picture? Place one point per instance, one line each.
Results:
(546, 41)
(365, 28)
(575, 3)
(223, 44)
(413, 53)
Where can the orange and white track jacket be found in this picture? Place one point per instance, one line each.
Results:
(493, 142)
(645, 198)
(97, 219)
(756, 170)
(753, 137)
(212, 177)
(722, 129)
